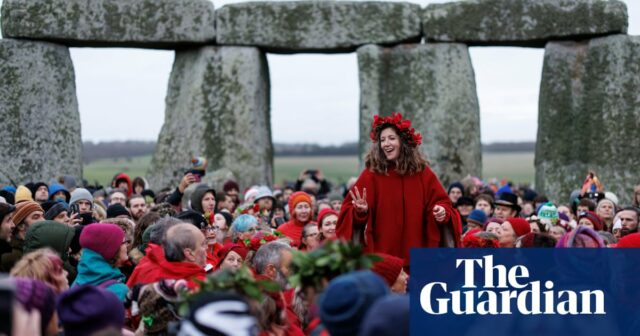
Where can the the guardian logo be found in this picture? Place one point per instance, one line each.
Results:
(510, 293)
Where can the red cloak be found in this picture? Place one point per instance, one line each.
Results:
(400, 214)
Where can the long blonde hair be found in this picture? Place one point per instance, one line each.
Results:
(410, 161)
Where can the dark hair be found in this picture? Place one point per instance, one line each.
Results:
(138, 181)
(145, 221)
(634, 209)
(410, 160)
(588, 203)
(485, 197)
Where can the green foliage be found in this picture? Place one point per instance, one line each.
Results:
(334, 257)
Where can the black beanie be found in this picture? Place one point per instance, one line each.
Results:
(115, 210)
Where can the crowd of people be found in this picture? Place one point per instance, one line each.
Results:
(302, 259)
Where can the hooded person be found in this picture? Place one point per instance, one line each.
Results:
(203, 199)
(104, 247)
(122, 181)
(55, 236)
(57, 192)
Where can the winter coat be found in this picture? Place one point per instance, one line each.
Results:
(53, 235)
(94, 270)
(9, 259)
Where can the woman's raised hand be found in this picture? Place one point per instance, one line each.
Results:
(359, 202)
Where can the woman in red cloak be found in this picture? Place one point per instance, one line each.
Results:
(398, 203)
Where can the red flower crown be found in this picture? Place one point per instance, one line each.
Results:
(403, 125)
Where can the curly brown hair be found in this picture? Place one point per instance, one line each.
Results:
(410, 161)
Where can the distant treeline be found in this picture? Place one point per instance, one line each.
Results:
(129, 149)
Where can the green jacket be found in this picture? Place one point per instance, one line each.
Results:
(53, 235)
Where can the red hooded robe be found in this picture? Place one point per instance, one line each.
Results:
(400, 214)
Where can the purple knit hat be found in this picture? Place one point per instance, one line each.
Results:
(86, 309)
(102, 238)
(582, 236)
(34, 294)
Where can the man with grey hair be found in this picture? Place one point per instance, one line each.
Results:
(180, 254)
(272, 260)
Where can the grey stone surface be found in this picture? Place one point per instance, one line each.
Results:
(321, 26)
(522, 22)
(589, 116)
(217, 106)
(111, 23)
(40, 134)
(434, 86)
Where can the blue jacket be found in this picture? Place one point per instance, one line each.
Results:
(94, 270)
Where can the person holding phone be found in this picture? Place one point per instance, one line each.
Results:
(398, 203)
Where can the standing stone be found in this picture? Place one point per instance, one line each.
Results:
(318, 26)
(40, 134)
(217, 107)
(434, 86)
(589, 116)
(528, 23)
(111, 23)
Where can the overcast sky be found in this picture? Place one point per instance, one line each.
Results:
(121, 92)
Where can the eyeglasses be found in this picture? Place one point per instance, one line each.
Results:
(212, 229)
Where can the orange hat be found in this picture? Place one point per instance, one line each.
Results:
(298, 197)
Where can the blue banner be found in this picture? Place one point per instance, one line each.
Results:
(505, 292)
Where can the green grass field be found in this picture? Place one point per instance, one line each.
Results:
(517, 167)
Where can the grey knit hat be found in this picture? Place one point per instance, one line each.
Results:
(80, 194)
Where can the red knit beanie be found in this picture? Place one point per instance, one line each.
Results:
(630, 240)
(240, 249)
(520, 226)
(593, 218)
(102, 238)
(298, 197)
(388, 268)
(324, 213)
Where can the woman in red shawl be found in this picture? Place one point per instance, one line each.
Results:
(398, 203)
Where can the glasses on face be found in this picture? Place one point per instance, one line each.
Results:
(212, 229)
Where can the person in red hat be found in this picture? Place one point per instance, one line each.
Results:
(231, 256)
(301, 213)
(512, 229)
(629, 241)
(590, 219)
(398, 203)
(390, 269)
(327, 221)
